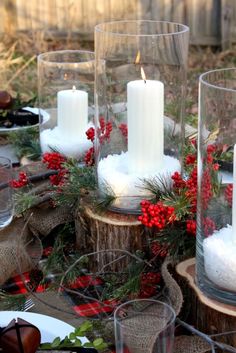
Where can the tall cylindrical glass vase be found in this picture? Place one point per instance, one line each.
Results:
(140, 83)
(216, 210)
(66, 101)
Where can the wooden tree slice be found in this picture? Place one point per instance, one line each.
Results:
(96, 231)
(207, 315)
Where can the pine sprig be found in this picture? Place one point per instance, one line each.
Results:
(159, 187)
(79, 180)
(63, 256)
(105, 199)
(11, 302)
(26, 143)
(181, 204)
(120, 286)
(180, 244)
(23, 200)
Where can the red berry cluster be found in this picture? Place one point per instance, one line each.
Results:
(211, 149)
(190, 159)
(20, 182)
(157, 215)
(58, 179)
(89, 158)
(193, 143)
(209, 226)
(158, 249)
(178, 182)
(206, 189)
(191, 227)
(229, 194)
(47, 251)
(191, 192)
(104, 132)
(90, 134)
(53, 160)
(148, 284)
(124, 130)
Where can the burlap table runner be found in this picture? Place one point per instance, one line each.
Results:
(16, 248)
(20, 246)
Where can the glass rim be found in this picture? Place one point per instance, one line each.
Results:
(41, 56)
(98, 28)
(203, 79)
(5, 162)
(172, 316)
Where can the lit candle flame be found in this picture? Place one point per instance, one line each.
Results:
(137, 60)
(73, 88)
(143, 74)
(65, 76)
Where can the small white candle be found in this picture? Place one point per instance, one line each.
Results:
(234, 199)
(72, 112)
(145, 112)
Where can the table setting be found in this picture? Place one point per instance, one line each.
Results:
(117, 231)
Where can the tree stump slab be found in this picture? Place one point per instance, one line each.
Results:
(206, 314)
(98, 231)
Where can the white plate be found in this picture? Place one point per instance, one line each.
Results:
(48, 326)
(5, 130)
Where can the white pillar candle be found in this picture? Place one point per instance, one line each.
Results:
(72, 112)
(234, 199)
(145, 111)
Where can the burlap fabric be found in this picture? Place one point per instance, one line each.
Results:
(183, 344)
(16, 248)
(19, 242)
(135, 328)
(43, 220)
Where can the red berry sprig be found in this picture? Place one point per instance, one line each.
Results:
(156, 215)
(20, 182)
(190, 159)
(53, 160)
(160, 250)
(58, 179)
(191, 227)
(229, 194)
(178, 182)
(124, 130)
(148, 284)
(209, 226)
(89, 158)
(105, 130)
(90, 134)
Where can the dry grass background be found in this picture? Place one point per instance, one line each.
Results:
(18, 62)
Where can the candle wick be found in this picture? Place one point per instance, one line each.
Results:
(145, 81)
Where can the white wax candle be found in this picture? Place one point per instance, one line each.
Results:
(145, 111)
(234, 199)
(72, 112)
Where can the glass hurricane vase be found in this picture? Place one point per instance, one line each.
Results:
(66, 101)
(140, 84)
(216, 207)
